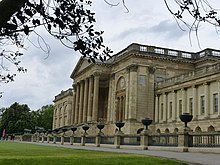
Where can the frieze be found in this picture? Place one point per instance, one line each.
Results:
(132, 68)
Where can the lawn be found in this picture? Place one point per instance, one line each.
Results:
(30, 154)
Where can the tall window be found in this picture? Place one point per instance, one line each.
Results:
(171, 109)
(180, 107)
(202, 104)
(215, 102)
(161, 111)
(191, 106)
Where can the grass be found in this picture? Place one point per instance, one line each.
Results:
(30, 154)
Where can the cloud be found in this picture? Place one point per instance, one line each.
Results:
(165, 29)
(168, 29)
(44, 79)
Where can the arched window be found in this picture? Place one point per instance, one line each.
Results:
(211, 129)
(167, 130)
(176, 130)
(198, 129)
(120, 99)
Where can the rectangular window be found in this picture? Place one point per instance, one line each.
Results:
(180, 107)
(202, 104)
(191, 106)
(215, 102)
(161, 111)
(171, 109)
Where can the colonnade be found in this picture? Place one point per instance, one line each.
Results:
(85, 100)
(169, 105)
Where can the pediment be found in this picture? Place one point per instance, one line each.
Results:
(81, 65)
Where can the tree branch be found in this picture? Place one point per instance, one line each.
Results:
(8, 8)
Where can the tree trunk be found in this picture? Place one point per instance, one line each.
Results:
(8, 8)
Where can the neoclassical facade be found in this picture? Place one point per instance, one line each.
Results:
(143, 81)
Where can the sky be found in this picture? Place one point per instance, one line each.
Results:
(147, 22)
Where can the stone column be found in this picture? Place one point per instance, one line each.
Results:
(133, 92)
(113, 100)
(207, 100)
(127, 77)
(62, 114)
(90, 99)
(77, 105)
(157, 109)
(68, 110)
(95, 97)
(218, 97)
(58, 116)
(54, 117)
(164, 107)
(73, 105)
(109, 116)
(174, 109)
(85, 101)
(183, 100)
(81, 101)
(195, 103)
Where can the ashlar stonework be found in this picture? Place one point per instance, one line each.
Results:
(143, 81)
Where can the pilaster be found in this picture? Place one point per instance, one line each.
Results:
(183, 100)
(207, 100)
(165, 107)
(133, 91)
(195, 103)
(174, 103)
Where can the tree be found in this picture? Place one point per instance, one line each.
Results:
(70, 21)
(16, 118)
(43, 117)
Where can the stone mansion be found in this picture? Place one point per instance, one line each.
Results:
(143, 81)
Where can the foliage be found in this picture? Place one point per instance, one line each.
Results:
(192, 13)
(43, 117)
(18, 117)
(18, 153)
(70, 21)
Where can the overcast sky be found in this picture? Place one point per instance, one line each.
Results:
(148, 22)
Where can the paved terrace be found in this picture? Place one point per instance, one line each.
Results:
(188, 157)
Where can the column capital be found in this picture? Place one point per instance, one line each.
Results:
(206, 83)
(74, 86)
(194, 86)
(151, 69)
(158, 94)
(165, 93)
(86, 79)
(112, 76)
(174, 91)
(96, 74)
(132, 68)
(184, 89)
